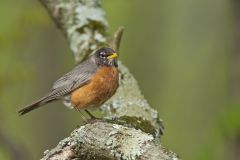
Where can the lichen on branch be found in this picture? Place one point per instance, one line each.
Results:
(82, 21)
(106, 141)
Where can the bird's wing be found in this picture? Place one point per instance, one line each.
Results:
(76, 78)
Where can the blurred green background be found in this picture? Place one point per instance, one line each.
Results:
(185, 55)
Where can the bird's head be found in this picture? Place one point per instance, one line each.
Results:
(106, 57)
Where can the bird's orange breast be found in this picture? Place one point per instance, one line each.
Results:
(101, 87)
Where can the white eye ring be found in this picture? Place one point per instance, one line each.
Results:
(102, 54)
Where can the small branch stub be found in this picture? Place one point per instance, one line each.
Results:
(117, 39)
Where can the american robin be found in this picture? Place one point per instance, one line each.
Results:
(89, 84)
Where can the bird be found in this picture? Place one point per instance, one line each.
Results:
(88, 85)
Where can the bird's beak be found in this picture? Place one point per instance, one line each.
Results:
(114, 55)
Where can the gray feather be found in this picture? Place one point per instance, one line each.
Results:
(78, 77)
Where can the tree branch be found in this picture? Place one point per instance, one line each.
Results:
(107, 141)
(131, 128)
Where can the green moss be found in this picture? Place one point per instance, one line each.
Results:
(93, 157)
(134, 122)
(88, 154)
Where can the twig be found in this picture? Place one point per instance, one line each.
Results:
(117, 38)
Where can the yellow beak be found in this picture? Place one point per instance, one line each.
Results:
(114, 55)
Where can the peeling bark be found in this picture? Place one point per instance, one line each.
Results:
(130, 129)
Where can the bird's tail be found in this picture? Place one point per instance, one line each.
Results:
(35, 105)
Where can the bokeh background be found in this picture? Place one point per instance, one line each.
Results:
(185, 55)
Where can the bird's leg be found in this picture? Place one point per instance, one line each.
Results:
(90, 114)
(81, 114)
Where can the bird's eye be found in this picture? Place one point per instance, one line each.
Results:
(102, 54)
